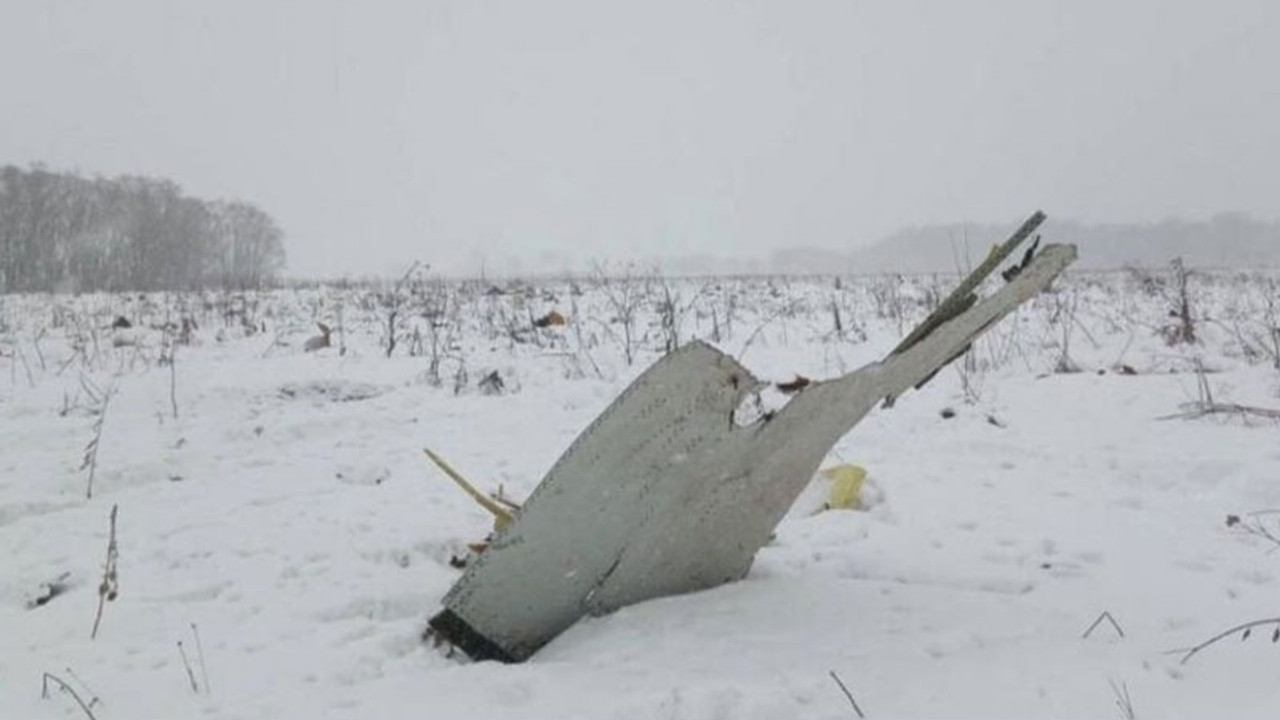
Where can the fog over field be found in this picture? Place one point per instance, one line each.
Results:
(527, 137)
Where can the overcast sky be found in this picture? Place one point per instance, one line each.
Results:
(557, 131)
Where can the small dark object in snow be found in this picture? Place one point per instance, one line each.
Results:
(1127, 370)
(800, 383)
(121, 323)
(491, 384)
(176, 478)
(992, 419)
(319, 341)
(1233, 520)
(551, 318)
(457, 562)
(1101, 371)
(947, 413)
(431, 636)
(50, 590)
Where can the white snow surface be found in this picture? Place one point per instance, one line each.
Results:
(287, 514)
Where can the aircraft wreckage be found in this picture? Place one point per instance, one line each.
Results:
(664, 493)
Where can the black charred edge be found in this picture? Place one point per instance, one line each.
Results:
(455, 630)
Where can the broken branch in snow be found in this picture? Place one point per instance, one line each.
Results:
(1106, 615)
(1201, 409)
(847, 694)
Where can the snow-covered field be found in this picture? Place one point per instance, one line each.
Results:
(276, 504)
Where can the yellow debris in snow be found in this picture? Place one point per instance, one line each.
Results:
(846, 486)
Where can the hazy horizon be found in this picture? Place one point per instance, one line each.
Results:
(532, 135)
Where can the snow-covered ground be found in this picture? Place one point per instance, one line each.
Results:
(287, 515)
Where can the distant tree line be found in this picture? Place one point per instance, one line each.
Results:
(1225, 240)
(64, 232)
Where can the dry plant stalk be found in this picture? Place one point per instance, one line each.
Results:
(395, 301)
(64, 687)
(1124, 703)
(847, 694)
(1106, 615)
(1253, 524)
(1245, 630)
(187, 664)
(1206, 405)
(100, 399)
(204, 670)
(109, 588)
(173, 378)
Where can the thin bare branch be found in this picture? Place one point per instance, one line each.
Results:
(109, 588)
(1191, 652)
(62, 685)
(847, 694)
(1106, 615)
